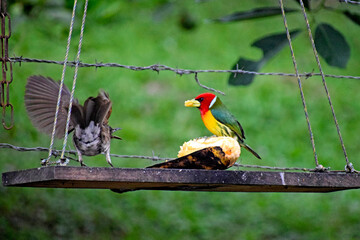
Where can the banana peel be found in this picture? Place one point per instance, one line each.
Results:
(211, 153)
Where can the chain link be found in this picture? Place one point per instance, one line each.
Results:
(7, 74)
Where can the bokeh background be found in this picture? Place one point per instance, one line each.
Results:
(149, 107)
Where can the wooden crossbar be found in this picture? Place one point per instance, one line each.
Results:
(130, 179)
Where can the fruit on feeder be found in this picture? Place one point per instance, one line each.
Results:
(205, 153)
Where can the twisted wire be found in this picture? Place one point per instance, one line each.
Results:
(349, 166)
(74, 80)
(178, 71)
(300, 85)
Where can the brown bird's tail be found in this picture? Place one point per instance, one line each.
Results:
(97, 109)
(247, 147)
(40, 101)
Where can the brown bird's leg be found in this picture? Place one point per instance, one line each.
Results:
(108, 159)
(80, 158)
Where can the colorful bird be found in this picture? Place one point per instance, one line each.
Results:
(218, 119)
(92, 134)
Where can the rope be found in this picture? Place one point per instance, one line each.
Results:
(74, 80)
(349, 165)
(61, 83)
(300, 87)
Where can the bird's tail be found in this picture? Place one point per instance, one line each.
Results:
(97, 109)
(247, 147)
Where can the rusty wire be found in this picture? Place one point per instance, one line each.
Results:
(57, 153)
(349, 1)
(205, 87)
(178, 71)
(300, 87)
(7, 75)
(349, 167)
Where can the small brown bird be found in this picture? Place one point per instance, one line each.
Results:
(92, 134)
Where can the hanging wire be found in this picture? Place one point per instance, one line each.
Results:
(318, 166)
(45, 161)
(349, 166)
(178, 71)
(57, 153)
(158, 67)
(349, 1)
(205, 87)
(74, 80)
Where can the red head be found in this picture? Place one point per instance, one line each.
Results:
(204, 102)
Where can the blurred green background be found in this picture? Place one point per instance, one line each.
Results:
(149, 107)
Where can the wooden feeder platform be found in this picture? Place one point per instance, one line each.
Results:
(131, 179)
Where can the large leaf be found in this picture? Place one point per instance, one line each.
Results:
(252, 14)
(332, 45)
(244, 79)
(270, 45)
(306, 3)
(352, 16)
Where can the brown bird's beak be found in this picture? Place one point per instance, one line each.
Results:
(192, 103)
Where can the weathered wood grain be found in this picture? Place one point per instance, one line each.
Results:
(130, 179)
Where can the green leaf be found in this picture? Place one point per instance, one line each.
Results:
(353, 17)
(332, 45)
(270, 45)
(306, 3)
(244, 79)
(252, 14)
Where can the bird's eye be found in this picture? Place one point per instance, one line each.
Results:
(200, 99)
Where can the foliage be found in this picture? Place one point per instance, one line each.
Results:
(331, 44)
(270, 46)
(149, 108)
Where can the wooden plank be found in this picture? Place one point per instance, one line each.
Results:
(130, 179)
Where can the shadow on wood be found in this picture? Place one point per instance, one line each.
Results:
(130, 179)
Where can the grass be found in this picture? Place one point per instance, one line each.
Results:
(149, 108)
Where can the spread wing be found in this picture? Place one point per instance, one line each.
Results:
(41, 99)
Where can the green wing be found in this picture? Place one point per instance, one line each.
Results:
(223, 115)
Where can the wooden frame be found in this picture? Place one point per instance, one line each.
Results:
(130, 179)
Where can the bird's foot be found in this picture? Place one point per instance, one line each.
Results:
(349, 168)
(62, 162)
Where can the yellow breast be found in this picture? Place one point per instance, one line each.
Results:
(215, 126)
